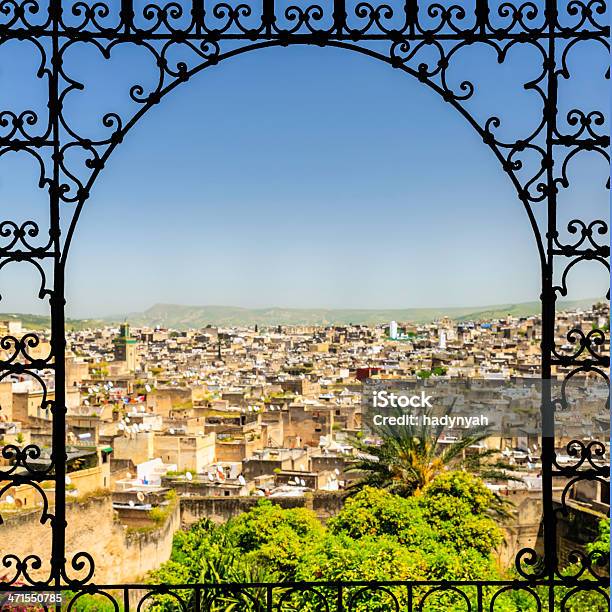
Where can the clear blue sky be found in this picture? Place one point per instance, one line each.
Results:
(305, 177)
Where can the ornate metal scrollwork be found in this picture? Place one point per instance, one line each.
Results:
(426, 41)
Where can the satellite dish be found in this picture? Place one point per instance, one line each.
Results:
(171, 431)
(241, 480)
(90, 390)
(337, 472)
(86, 402)
(302, 482)
(9, 499)
(131, 503)
(140, 496)
(128, 475)
(210, 477)
(148, 388)
(189, 476)
(110, 384)
(68, 480)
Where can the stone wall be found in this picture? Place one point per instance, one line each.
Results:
(220, 509)
(121, 555)
(524, 530)
(575, 530)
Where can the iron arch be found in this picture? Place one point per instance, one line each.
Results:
(398, 33)
(484, 131)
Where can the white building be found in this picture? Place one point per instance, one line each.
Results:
(393, 330)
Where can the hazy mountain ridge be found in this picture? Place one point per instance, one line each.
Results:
(184, 317)
(37, 322)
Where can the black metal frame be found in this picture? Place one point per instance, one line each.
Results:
(187, 36)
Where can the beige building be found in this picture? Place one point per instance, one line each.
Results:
(27, 405)
(187, 452)
(303, 425)
(238, 449)
(6, 401)
(77, 370)
(270, 461)
(137, 447)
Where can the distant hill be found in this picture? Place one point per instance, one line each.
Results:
(183, 317)
(37, 322)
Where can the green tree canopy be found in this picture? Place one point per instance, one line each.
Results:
(445, 533)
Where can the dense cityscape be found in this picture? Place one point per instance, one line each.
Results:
(214, 419)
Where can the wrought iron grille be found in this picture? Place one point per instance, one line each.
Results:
(183, 38)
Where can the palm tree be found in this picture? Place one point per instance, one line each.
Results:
(410, 457)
